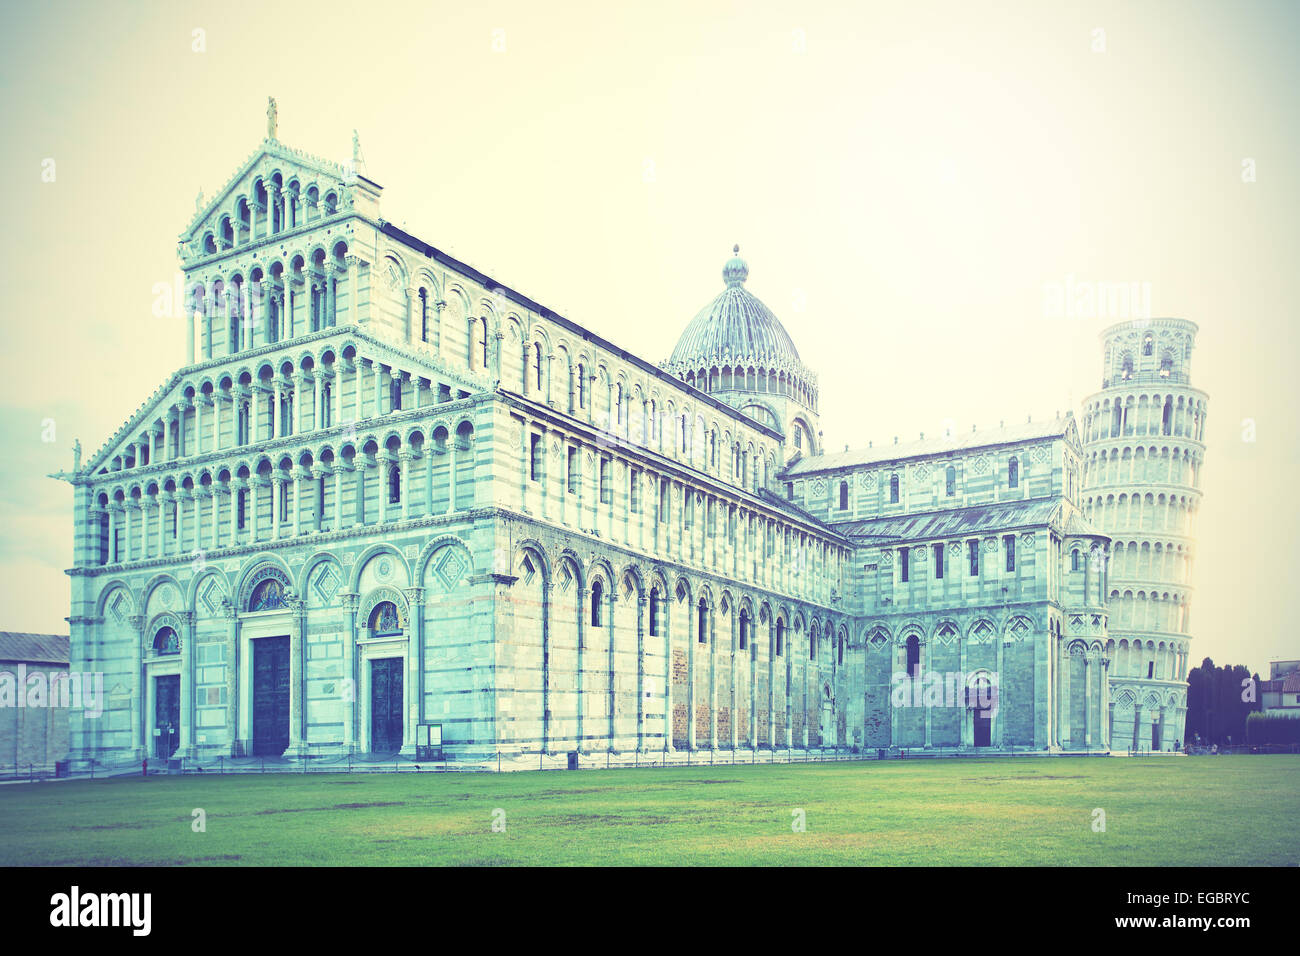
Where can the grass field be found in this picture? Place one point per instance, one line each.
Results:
(1197, 811)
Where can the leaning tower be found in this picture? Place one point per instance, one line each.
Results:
(1144, 446)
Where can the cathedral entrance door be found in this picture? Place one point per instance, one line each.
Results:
(983, 729)
(166, 715)
(270, 696)
(386, 705)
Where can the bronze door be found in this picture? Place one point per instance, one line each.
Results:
(386, 705)
(270, 696)
(167, 715)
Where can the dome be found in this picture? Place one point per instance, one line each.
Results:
(736, 328)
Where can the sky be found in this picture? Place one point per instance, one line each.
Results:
(906, 182)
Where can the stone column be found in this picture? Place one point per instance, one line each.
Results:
(405, 463)
(238, 743)
(138, 694)
(771, 684)
(350, 701)
(353, 263)
(451, 472)
(1087, 704)
(185, 739)
(666, 625)
(254, 482)
(216, 420)
(297, 675)
(129, 506)
(163, 498)
(199, 401)
(1105, 707)
(382, 461)
(112, 534)
(339, 467)
(275, 408)
(712, 638)
(356, 380)
(734, 619)
(640, 672)
(216, 514)
(235, 486)
(296, 399)
(298, 475)
(414, 666)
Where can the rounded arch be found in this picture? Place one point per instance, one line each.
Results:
(366, 556)
(384, 594)
(257, 569)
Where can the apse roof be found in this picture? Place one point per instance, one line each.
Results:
(955, 522)
(1004, 435)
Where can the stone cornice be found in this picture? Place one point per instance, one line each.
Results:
(213, 555)
(420, 361)
(650, 460)
(268, 147)
(718, 580)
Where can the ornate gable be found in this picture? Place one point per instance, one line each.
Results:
(269, 159)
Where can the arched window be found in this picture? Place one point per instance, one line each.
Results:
(384, 620)
(1013, 472)
(1166, 365)
(582, 386)
(844, 496)
(654, 612)
(950, 481)
(618, 404)
(267, 596)
(840, 658)
(914, 656)
(1126, 372)
(893, 489)
(424, 315)
(1147, 344)
(812, 645)
(702, 622)
(1074, 560)
(780, 636)
(537, 363)
(166, 642)
(483, 343)
(597, 597)
(394, 485)
(744, 629)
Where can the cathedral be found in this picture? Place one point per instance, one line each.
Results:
(389, 503)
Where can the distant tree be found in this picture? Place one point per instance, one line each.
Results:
(1215, 709)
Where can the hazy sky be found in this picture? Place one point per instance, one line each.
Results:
(904, 180)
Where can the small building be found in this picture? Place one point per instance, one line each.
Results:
(1281, 692)
(33, 725)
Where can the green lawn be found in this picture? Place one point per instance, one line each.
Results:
(1197, 811)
